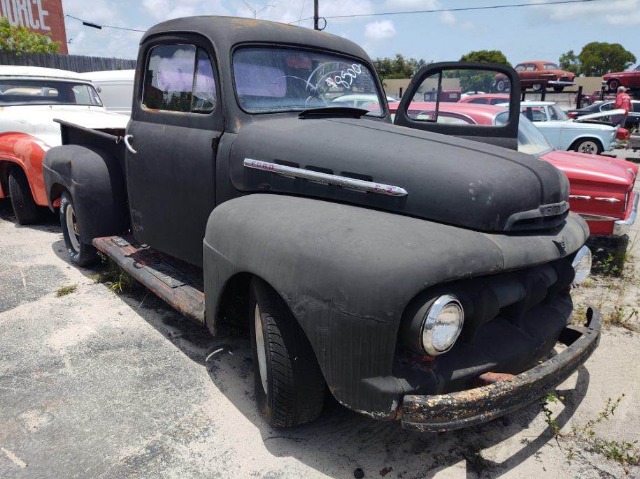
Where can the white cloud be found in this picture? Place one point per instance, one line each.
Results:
(447, 18)
(381, 30)
(618, 12)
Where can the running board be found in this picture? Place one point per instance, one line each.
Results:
(177, 283)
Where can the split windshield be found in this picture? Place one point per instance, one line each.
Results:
(46, 92)
(269, 80)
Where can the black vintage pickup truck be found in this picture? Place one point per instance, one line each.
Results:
(414, 276)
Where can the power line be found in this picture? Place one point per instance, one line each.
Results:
(459, 9)
(99, 27)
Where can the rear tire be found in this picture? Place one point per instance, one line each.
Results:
(536, 87)
(558, 89)
(289, 385)
(589, 146)
(81, 254)
(613, 84)
(24, 206)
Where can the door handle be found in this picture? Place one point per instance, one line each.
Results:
(127, 139)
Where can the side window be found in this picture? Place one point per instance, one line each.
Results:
(635, 106)
(179, 78)
(520, 68)
(204, 86)
(531, 68)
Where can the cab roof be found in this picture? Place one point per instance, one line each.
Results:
(226, 32)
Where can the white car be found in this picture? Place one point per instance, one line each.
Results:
(31, 98)
(566, 134)
(115, 88)
(360, 100)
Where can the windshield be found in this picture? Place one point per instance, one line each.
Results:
(46, 92)
(530, 140)
(269, 80)
(556, 113)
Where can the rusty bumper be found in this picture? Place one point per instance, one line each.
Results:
(446, 412)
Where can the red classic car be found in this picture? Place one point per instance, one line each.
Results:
(486, 98)
(538, 74)
(630, 79)
(30, 99)
(601, 188)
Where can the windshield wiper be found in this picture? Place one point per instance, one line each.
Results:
(333, 111)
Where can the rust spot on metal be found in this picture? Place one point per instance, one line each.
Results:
(490, 377)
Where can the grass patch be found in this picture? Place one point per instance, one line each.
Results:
(586, 436)
(116, 279)
(65, 290)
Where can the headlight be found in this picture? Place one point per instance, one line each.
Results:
(581, 265)
(442, 325)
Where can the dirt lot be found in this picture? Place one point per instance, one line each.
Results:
(98, 384)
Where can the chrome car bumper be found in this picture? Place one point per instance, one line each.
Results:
(621, 227)
(560, 83)
(507, 393)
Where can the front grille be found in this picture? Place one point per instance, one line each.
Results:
(512, 320)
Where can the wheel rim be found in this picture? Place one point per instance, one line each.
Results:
(537, 87)
(72, 227)
(613, 85)
(500, 86)
(588, 147)
(261, 349)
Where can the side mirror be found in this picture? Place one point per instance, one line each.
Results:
(464, 99)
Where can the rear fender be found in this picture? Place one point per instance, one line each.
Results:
(97, 186)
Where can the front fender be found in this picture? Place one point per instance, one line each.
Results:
(347, 273)
(97, 186)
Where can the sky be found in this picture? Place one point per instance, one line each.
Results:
(536, 32)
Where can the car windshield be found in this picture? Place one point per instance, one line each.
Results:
(530, 140)
(269, 80)
(556, 113)
(46, 92)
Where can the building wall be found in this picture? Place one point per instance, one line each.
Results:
(40, 16)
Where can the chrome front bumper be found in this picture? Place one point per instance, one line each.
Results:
(621, 227)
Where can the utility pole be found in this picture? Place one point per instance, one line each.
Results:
(315, 15)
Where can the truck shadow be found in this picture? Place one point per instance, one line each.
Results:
(340, 440)
(49, 221)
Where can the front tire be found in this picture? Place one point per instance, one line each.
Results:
(536, 87)
(501, 86)
(589, 146)
(24, 206)
(80, 253)
(558, 89)
(289, 385)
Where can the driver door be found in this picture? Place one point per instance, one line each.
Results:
(463, 76)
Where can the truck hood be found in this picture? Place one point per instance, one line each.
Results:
(37, 120)
(446, 179)
(600, 114)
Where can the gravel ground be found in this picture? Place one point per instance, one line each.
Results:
(94, 384)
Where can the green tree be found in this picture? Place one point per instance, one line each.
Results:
(22, 40)
(478, 80)
(398, 67)
(492, 56)
(598, 58)
(570, 62)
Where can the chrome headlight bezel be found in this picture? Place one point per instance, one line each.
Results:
(582, 265)
(431, 344)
